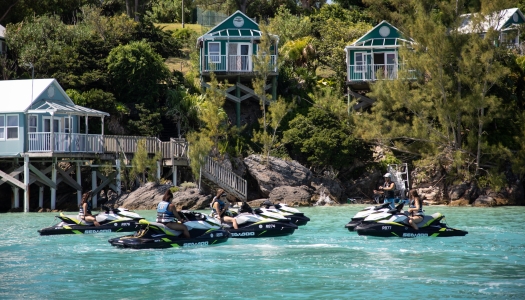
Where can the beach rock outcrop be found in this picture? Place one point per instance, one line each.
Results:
(292, 195)
(276, 173)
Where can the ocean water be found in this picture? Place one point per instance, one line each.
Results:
(321, 260)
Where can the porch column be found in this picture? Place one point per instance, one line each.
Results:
(102, 125)
(79, 181)
(52, 139)
(238, 104)
(94, 186)
(41, 196)
(174, 175)
(26, 183)
(86, 122)
(117, 166)
(159, 166)
(54, 179)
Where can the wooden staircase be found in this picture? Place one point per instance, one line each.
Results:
(225, 178)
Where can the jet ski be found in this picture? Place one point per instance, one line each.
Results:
(111, 220)
(157, 235)
(397, 225)
(365, 212)
(296, 217)
(252, 225)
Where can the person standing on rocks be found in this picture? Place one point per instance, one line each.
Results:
(84, 209)
(167, 214)
(219, 206)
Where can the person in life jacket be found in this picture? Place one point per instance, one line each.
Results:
(84, 209)
(388, 189)
(219, 206)
(167, 214)
(415, 210)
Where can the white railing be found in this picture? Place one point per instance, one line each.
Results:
(65, 142)
(233, 63)
(377, 72)
(179, 148)
(225, 178)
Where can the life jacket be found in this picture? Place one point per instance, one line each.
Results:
(419, 212)
(390, 193)
(221, 205)
(163, 214)
(81, 212)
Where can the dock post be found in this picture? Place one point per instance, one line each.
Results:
(26, 183)
(93, 187)
(16, 202)
(174, 180)
(79, 181)
(54, 179)
(158, 169)
(41, 196)
(117, 166)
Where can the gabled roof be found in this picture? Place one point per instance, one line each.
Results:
(499, 20)
(25, 95)
(383, 34)
(238, 26)
(2, 32)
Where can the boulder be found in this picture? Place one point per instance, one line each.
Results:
(292, 195)
(459, 202)
(191, 199)
(484, 201)
(457, 191)
(276, 173)
(147, 197)
(363, 186)
(328, 187)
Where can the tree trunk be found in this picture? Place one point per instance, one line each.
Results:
(136, 10)
(127, 9)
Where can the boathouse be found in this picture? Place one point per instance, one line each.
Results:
(228, 51)
(40, 125)
(45, 140)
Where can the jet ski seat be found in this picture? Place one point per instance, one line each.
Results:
(166, 229)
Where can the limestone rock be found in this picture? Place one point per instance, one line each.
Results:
(292, 195)
(145, 197)
(191, 199)
(457, 191)
(277, 173)
(329, 187)
(484, 201)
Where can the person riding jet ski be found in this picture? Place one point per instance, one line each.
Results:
(157, 235)
(84, 209)
(167, 214)
(220, 206)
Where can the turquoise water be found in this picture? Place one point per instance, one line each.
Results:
(320, 260)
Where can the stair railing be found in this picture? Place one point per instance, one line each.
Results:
(225, 178)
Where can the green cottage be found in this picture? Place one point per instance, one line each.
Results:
(228, 51)
(374, 56)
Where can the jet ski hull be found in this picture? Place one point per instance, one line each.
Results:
(353, 224)
(155, 241)
(298, 219)
(273, 229)
(403, 231)
(63, 228)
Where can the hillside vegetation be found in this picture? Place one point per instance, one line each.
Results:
(463, 115)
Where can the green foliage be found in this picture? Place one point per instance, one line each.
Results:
(168, 11)
(187, 185)
(289, 27)
(142, 165)
(174, 189)
(135, 72)
(496, 181)
(148, 122)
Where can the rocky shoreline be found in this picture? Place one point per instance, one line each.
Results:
(283, 181)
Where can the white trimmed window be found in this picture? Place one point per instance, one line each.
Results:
(2, 127)
(214, 52)
(359, 62)
(67, 124)
(12, 127)
(32, 128)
